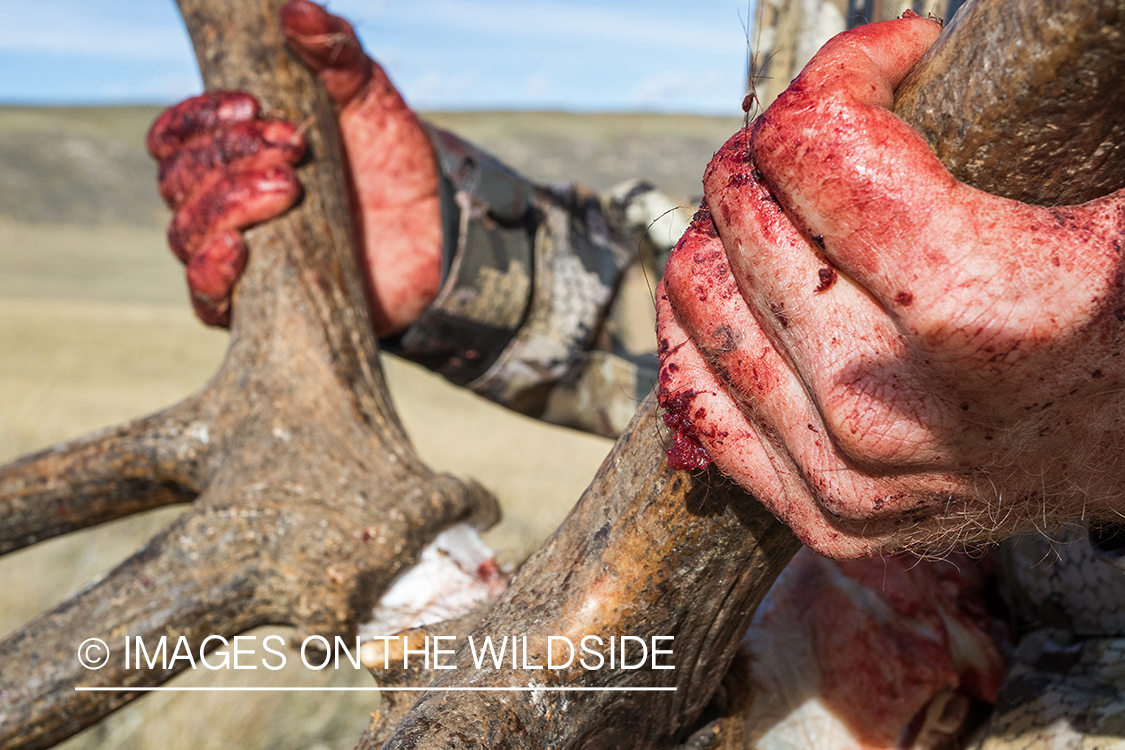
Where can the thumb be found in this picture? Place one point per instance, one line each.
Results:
(328, 44)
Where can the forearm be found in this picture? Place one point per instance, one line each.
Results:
(530, 275)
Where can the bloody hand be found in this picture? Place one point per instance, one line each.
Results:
(223, 168)
(886, 357)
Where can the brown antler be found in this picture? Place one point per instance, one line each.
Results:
(155, 461)
(649, 566)
(1024, 99)
(292, 452)
(308, 497)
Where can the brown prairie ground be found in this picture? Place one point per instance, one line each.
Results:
(95, 330)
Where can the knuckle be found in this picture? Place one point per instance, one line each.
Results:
(878, 424)
(843, 499)
(211, 312)
(935, 318)
(851, 416)
(180, 235)
(196, 116)
(244, 146)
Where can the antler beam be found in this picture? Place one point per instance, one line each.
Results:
(310, 496)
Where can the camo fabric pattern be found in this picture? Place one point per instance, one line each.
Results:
(1065, 687)
(1061, 580)
(1062, 692)
(525, 317)
(531, 273)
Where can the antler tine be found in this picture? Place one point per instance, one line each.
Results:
(310, 498)
(145, 596)
(220, 569)
(648, 552)
(393, 706)
(152, 462)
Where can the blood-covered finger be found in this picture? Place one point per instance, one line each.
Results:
(211, 274)
(235, 201)
(212, 313)
(829, 497)
(706, 423)
(726, 386)
(868, 62)
(967, 276)
(717, 370)
(876, 401)
(701, 410)
(198, 116)
(252, 145)
(708, 303)
(859, 181)
(328, 44)
(850, 173)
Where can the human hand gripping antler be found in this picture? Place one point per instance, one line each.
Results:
(306, 497)
(225, 166)
(887, 357)
(837, 482)
(675, 556)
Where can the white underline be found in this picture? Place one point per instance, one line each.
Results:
(369, 689)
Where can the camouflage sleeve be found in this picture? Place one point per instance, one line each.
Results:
(531, 274)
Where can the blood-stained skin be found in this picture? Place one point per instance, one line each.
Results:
(178, 125)
(887, 357)
(224, 167)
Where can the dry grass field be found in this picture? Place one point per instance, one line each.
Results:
(95, 330)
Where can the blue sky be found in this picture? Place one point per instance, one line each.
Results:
(585, 55)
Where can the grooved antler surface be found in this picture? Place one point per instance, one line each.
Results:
(155, 461)
(640, 562)
(1025, 99)
(297, 453)
(298, 458)
(646, 552)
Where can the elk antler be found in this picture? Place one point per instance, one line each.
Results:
(307, 497)
(633, 558)
(293, 451)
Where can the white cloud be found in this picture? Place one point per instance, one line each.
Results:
(583, 54)
(432, 87)
(160, 88)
